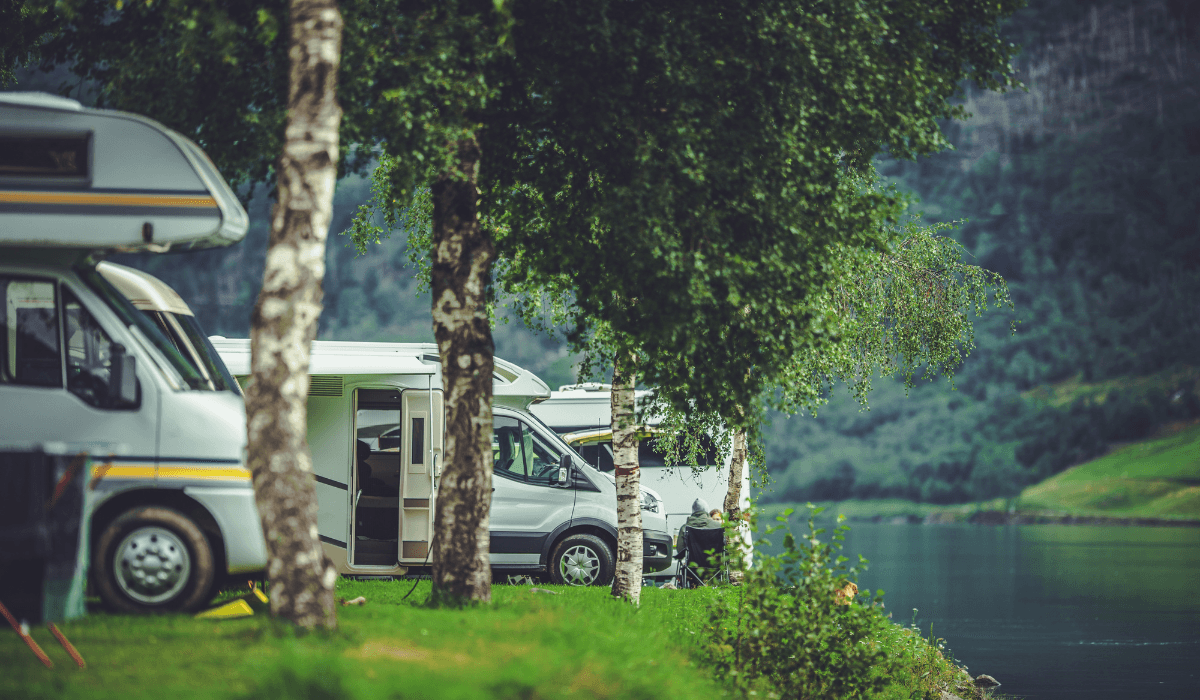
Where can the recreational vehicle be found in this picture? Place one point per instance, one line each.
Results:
(83, 369)
(582, 414)
(376, 431)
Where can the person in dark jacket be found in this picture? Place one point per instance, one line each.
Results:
(698, 520)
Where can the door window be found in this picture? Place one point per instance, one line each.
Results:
(89, 354)
(520, 454)
(28, 317)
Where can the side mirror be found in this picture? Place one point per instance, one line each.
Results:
(122, 378)
(564, 470)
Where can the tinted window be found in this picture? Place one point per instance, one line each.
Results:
(39, 156)
(598, 455)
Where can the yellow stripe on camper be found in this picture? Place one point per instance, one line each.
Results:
(204, 473)
(122, 471)
(193, 473)
(107, 199)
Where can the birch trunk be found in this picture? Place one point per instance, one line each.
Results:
(627, 583)
(284, 323)
(462, 256)
(733, 501)
(737, 466)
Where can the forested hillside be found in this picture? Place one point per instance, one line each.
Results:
(1084, 192)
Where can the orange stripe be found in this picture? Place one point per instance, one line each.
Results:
(135, 200)
(203, 473)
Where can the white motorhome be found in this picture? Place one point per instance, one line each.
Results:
(582, 414)
(83, 369)
(376, 431)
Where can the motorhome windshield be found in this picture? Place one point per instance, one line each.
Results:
(221, 377)
(149, 330)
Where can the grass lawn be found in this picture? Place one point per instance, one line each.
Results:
(577, 644)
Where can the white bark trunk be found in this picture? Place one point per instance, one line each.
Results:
(733, 499)
(284, 323)
(462, 256)
(627, 583)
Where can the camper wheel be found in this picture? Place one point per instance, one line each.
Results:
(582, 560)
(153, 559)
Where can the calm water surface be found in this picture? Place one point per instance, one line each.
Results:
(1051, 611)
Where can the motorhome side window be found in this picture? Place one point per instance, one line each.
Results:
(520, 454)
(29, 318)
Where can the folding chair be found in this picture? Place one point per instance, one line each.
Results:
(702, 559)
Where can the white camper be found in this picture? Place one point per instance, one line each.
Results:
(582, 414)
(83, 369)
(376, 431)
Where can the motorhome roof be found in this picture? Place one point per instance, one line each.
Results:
(582, 406)
(92, 179)
(358, 358)
(147, 293)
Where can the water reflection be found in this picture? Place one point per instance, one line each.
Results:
(1051, 611)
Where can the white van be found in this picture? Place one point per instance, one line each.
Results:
(83, 369)
(376, 431)
(582, 414)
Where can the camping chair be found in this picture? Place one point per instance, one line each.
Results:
(702, 559)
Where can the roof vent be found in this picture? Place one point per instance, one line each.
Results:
(325, 385)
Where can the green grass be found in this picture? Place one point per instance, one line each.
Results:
(1154, 478)
(578, 644)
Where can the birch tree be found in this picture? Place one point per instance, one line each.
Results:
(255, 84)
(284, 323)
(627, 582)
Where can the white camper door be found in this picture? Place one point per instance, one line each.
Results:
(420, 467)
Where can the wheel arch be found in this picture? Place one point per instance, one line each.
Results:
(175, 499)
(580, 526)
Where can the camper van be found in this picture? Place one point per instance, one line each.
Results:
(582, 415)
(376, 431)
(83, 369)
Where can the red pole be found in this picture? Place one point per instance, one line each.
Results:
(37, 651)
(62, 639)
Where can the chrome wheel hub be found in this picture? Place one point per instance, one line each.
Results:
(151, 565)
(579, 566)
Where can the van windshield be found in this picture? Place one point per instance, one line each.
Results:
(129, 315)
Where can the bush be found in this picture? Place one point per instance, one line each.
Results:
(786, 636)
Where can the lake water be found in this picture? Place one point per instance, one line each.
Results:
(1051, 611)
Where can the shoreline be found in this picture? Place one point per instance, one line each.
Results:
(995, 517)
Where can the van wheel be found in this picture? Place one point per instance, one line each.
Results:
(582, 560)
(153, 559)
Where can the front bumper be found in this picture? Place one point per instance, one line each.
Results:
(656, 551)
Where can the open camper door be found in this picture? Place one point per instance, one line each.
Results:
(398, 446)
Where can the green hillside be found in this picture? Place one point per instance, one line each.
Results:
(1154, 478)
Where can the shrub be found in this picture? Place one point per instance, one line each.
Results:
(786, 636)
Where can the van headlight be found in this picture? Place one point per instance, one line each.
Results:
(649, 502)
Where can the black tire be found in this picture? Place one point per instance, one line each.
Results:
(153, 559)
(582, 560)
